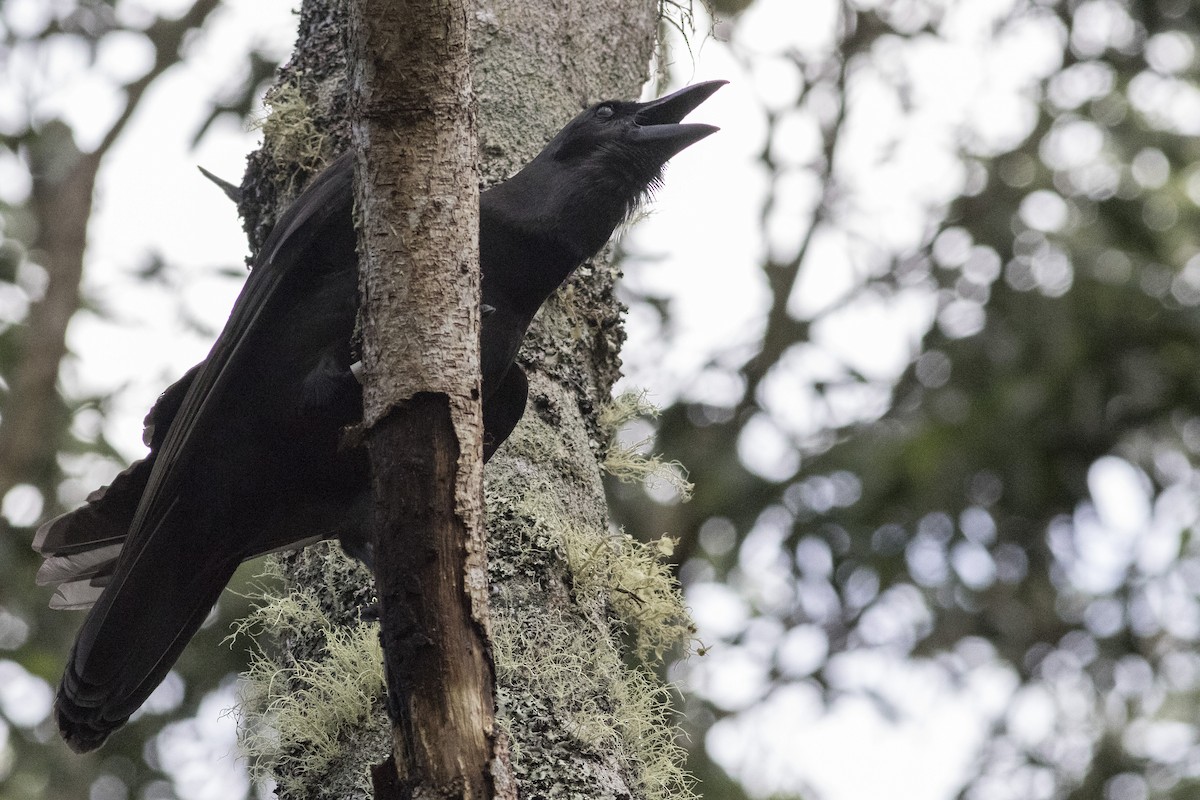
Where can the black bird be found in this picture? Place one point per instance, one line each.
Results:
(245, 449)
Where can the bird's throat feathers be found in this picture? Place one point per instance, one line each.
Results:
(548, 227)
(537, 239)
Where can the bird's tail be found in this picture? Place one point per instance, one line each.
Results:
(81, 547)
(153, 603)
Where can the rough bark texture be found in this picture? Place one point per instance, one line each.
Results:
(418, 212)
(534, 65)
(439, 675)
(418, 201)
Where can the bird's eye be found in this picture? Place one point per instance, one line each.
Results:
(604, 112)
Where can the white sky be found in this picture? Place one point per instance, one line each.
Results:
(702, 246)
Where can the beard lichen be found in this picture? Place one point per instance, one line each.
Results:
(580, 629)
(627, 459)
(290, 134)
(320, 705)
(579, 673)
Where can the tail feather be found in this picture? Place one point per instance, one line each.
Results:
(77, 595)
(79, 579)
(82, 547)
(103, 520)
(87, 710)
(156, 601)
(87, 564)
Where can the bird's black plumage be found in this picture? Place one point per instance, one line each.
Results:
(246, 452)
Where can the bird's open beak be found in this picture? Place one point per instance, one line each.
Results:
(659, 121)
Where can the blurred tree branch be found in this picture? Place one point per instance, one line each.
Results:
(63, 180)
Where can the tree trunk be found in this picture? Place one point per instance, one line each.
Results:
(577, 721)
(417, 201)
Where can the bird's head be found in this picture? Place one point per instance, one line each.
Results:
(624, 146)
(595, 172)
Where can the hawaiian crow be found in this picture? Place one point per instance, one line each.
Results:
(246, 452)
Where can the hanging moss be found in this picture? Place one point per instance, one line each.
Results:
(317, 712)
(628, 462)
(290, 133)
(564, 627)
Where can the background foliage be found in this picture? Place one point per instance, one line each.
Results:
(949, 451)
(1015, 509)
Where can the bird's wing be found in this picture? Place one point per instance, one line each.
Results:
(179, 554)
(329, 196)
(82, 546)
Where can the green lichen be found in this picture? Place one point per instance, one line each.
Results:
(569, 654)
(604, 704)
(302, 715)
(627, 461)
(638, 584)
(290, 134)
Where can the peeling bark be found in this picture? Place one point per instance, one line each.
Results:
(417, 201)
